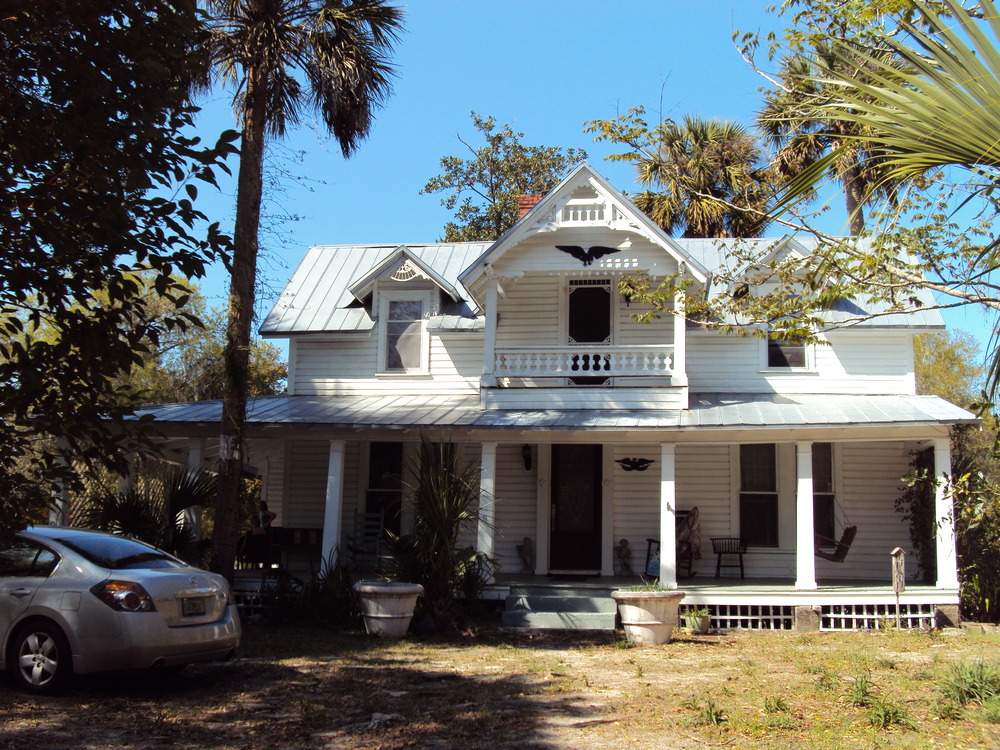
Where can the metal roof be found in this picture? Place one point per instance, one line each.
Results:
(707, 411)
(318, 297)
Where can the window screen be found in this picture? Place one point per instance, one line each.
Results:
(759, 495)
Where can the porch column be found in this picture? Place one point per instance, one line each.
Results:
(192, 514)
(489, 379)
(805, 561)
(944, 513)
(487, 498)
(334, 501)
(668, 516)
(680, 347)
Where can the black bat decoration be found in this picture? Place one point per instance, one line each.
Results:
(634, 464)
(587, 256)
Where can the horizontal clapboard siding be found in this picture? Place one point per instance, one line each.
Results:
(516, 496)
(870, 479)
(858, 362)
(333, 368)
(529, 314)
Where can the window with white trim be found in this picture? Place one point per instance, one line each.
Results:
(759, 494)
(403, 341)
(786, 354)
(824, 522)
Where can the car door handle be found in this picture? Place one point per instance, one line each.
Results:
(20, 592)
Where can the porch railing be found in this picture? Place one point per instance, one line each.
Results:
(583, 361)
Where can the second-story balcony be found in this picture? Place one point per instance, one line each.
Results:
(584, 360)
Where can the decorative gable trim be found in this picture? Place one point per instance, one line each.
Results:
(401, 266)
(584, 199)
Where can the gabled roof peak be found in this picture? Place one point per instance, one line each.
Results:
(401, 265)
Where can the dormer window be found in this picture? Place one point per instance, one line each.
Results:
(786, 354)
(403, 341)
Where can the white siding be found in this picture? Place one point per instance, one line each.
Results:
(855, 362)
(347, 365)
(870, 482)
(516, 491)
(529, 314)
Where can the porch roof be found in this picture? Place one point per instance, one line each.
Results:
(706, 411)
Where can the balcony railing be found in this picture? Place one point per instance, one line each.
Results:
(584, 361)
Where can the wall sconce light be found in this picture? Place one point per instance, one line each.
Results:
(526, 456)
(635, 464)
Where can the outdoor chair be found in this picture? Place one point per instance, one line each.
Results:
(728, 546)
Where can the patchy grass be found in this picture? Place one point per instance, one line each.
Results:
(296, 686)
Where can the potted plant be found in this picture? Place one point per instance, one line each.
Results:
(648, 612)
(387, 607)
(698, 619)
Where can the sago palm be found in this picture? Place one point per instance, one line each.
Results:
(283, 57)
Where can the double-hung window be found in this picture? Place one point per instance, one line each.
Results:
(403, 332)
(759, 494)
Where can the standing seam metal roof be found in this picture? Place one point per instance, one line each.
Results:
(707, 410)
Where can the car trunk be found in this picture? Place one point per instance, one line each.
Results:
(186, 598)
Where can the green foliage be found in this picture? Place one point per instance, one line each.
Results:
(704, 178)
(862, 691)
(775, 704)
(150, 510)
(187, 365)
(97, 183)
(708, 713)
(445, 501)
(884, 714)
(486, 187)
(970, 681)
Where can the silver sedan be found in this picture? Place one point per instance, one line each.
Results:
(74, 601)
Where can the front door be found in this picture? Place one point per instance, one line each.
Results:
(575, 542)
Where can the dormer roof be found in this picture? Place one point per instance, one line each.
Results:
(401, 265)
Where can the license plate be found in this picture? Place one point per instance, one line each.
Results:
(193, 607)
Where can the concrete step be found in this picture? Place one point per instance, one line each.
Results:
(550, 603)
(559, 620)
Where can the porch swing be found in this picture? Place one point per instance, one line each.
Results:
(840, 546)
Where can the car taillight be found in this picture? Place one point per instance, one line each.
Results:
(124, 596)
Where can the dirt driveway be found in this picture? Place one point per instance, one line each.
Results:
(300, 688)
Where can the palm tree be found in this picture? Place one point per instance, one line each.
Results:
(802, 131)
(938, 106)
(283, 56)
(709, 179)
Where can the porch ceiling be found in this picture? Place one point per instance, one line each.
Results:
(707, 411)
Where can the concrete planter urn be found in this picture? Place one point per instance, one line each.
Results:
(649, 617)
(387, 608)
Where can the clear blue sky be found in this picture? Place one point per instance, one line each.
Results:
(545, 67)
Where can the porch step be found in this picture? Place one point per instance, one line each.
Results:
(559, 608)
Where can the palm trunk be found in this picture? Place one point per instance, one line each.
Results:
(854, 200)
(225, 536)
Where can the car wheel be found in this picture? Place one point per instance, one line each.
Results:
(41, 661)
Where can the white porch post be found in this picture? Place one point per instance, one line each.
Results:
(680, 346)
(947, 553)
(668, 516)
(192, 514)
(489, 378)
(334, 500)
(805, 562)
(487, 495)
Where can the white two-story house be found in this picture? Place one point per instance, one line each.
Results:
(591, 427)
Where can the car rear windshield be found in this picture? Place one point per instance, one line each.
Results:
(118, 553)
